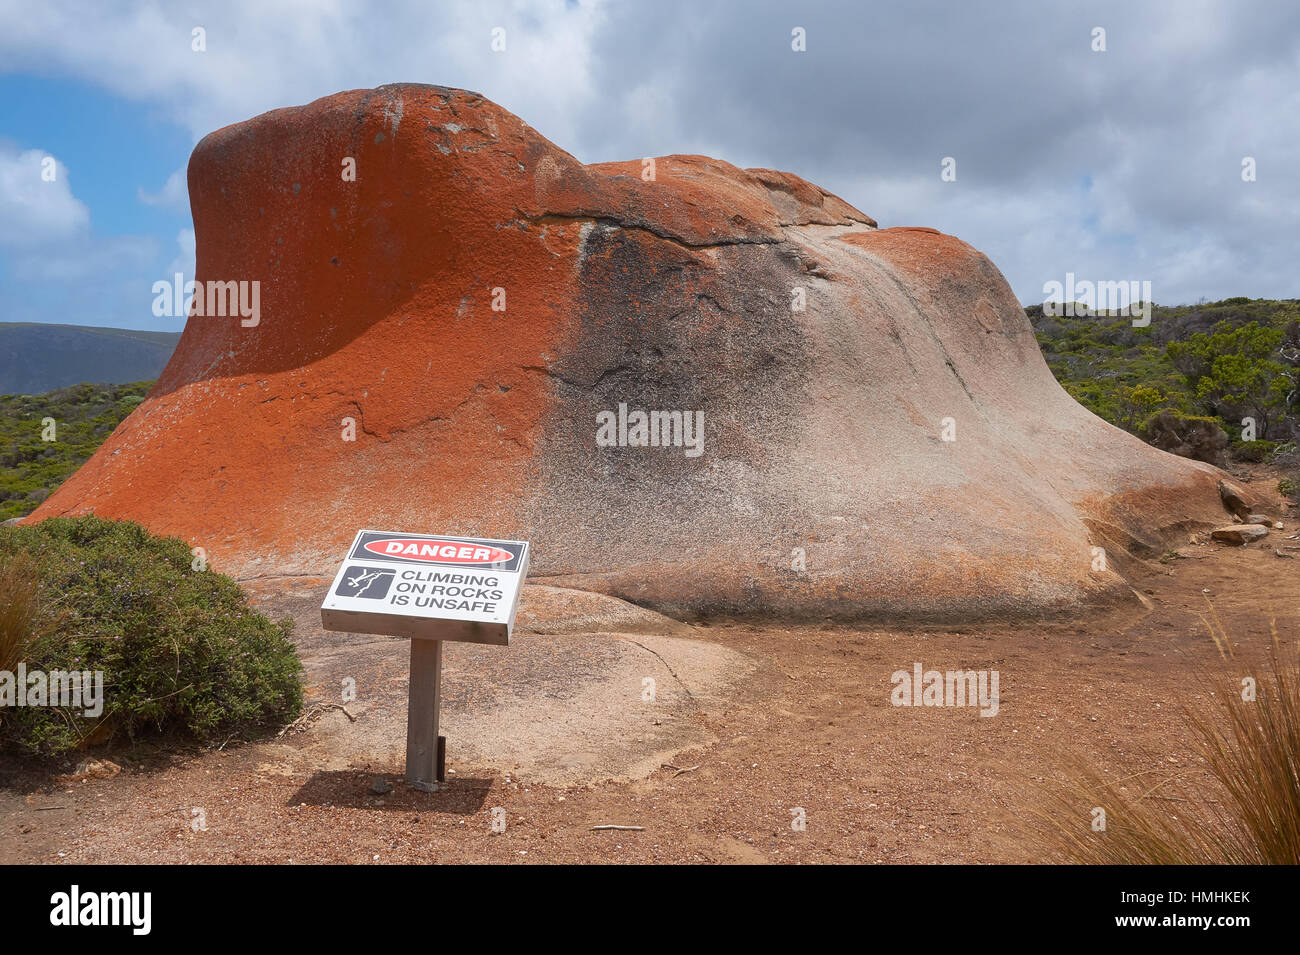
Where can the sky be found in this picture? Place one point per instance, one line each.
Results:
(1165, 149)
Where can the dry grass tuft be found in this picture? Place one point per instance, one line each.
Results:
(1243, 809)
(18, 602)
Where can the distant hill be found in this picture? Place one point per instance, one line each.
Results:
(36, 358)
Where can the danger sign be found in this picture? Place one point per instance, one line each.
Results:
(428, 587)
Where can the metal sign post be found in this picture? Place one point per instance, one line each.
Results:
(429, 589)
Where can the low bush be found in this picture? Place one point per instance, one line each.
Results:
(179, 648)
(1252, 452)
(1192, 436)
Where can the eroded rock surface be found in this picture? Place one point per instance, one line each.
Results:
(823, 486)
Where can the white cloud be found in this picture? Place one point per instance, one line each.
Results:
(36, 201)
(266, 54)
(51, 250)
(85, 259)
(261, 55)
(1117, 165)
(174, 194)
(184, 260)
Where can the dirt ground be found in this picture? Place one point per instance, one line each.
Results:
(748, 726)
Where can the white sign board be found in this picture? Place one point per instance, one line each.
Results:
(429, 587)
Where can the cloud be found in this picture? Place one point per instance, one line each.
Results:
(84, 259)
(174, 194)
(36, 201)
(1124, 164)
(184, 260)
(265, 54)
(56, 267)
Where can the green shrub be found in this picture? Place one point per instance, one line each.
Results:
(1226, 360)
(1289, 487)
(84, 415)
(1235, 372)
(179, 648)
(1191, 436)
(1252, 451)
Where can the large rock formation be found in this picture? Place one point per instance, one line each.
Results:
(824, 486)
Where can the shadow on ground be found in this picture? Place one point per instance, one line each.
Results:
(353, 789)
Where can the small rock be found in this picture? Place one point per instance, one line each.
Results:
(1233, 500)
(1238, 534)
(1258, 519)
(91, 769)
(1282, 553)
(380, 786)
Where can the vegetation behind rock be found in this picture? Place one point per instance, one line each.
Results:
(1185, 382)
(31, 467)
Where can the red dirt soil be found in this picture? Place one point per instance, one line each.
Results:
(811, 728)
